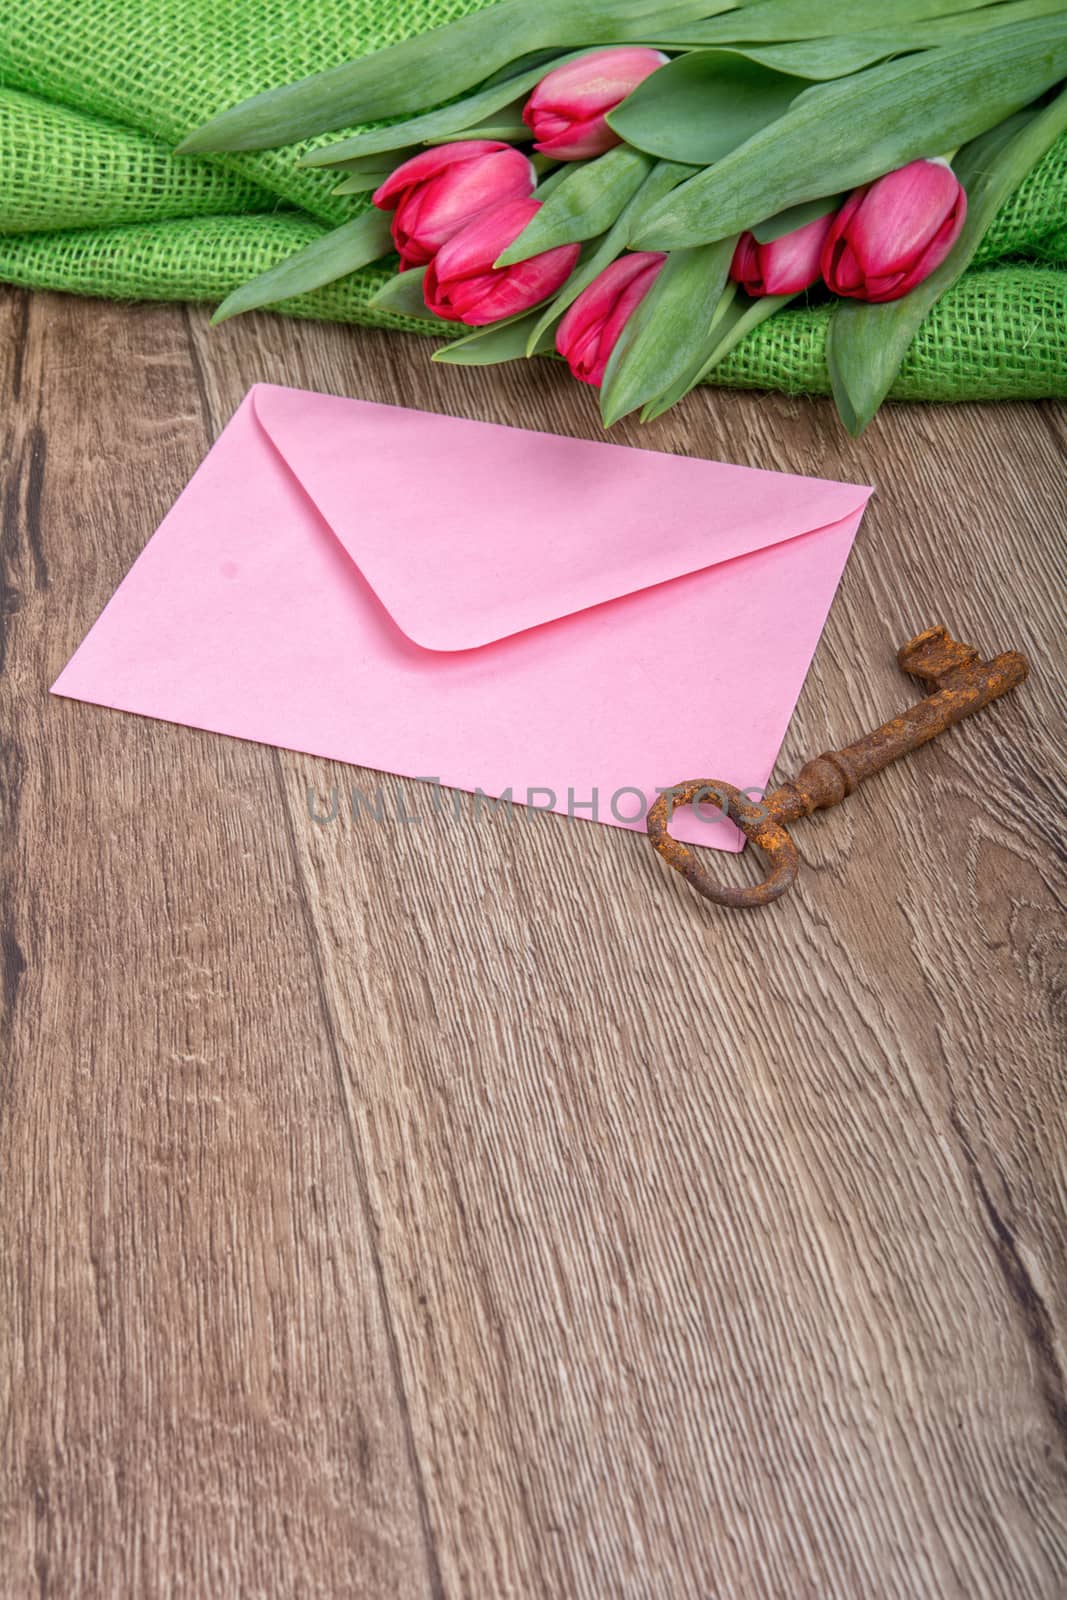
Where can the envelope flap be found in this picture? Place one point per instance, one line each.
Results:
(470, 531)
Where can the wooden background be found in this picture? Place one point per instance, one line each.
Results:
(468, 1210)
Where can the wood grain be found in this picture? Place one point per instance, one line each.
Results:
(457, 1206)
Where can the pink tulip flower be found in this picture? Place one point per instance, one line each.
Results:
(785, 265)
(567, 109)
(891, 234)
(589, 331)
(439, 191)
(462, 284)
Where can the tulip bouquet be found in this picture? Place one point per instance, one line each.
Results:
(636, 184)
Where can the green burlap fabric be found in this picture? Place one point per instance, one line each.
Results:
(94, 94)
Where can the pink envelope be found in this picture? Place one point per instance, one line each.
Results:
(571, 625)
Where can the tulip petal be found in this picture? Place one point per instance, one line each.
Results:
(475, 247)
(890, 286)
(894, 232)
(626, 304)
(847, 275)
(462, 284)
(588, 333)
(429, 214)
(894, 286)
(791, 263)
(836, 271)
(595, 303)
(509, 290)
(941, 244)
(583, 355)
(579, 141)
(901, 213)
(546, 124)
(427, 164)
(567, 108)
(594, 83)
(745, 266)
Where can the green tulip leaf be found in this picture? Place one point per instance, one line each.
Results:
(701, 106)
(438, 65)
(656, 344)
(837, 55)
(402, 295)
(665, 176)
(550, 181)
(905, 108)
(345, 249)
(752, 314)
(506, 132)
(514, 69)
(727, 312)
(950, 29)
(796, 217)
(586, 202)
(376, 163)
(361, 183)
(743, 316)
(773, 21)
(866, 344)
(488, 347)
(817, 59)
(455, 119)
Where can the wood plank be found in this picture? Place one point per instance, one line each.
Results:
(658, 1252)
(197, 1378)
(727, 1253)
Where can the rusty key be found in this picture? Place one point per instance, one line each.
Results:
(962, 684)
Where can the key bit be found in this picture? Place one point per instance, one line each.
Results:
(962, 682)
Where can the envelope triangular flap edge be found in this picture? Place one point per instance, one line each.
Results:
(470, 532)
